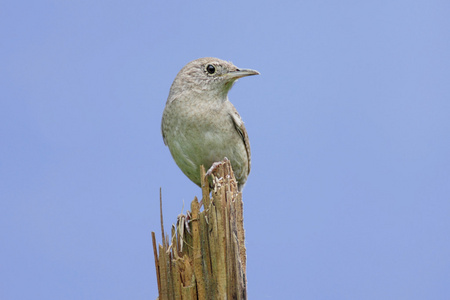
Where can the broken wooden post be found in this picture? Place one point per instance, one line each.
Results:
(205, 257)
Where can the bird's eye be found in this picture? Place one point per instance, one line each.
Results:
(210, 69)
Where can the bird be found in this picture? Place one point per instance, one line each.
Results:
(200, 125)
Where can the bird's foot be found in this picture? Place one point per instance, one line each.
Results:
(215, 166)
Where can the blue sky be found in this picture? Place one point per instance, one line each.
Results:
(349, 123)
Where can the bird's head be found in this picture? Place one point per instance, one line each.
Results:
(209, 75)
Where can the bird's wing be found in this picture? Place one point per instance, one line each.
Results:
(240, 128)
(162, 131)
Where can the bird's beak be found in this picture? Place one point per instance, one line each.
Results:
(241, 73)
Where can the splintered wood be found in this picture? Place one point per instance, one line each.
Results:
(205, 256)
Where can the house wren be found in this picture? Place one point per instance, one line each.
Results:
(199, 123)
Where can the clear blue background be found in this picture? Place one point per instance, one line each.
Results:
(349, 122)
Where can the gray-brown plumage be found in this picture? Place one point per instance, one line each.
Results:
(200, 125)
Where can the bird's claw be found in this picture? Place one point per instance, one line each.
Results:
(215, 166)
